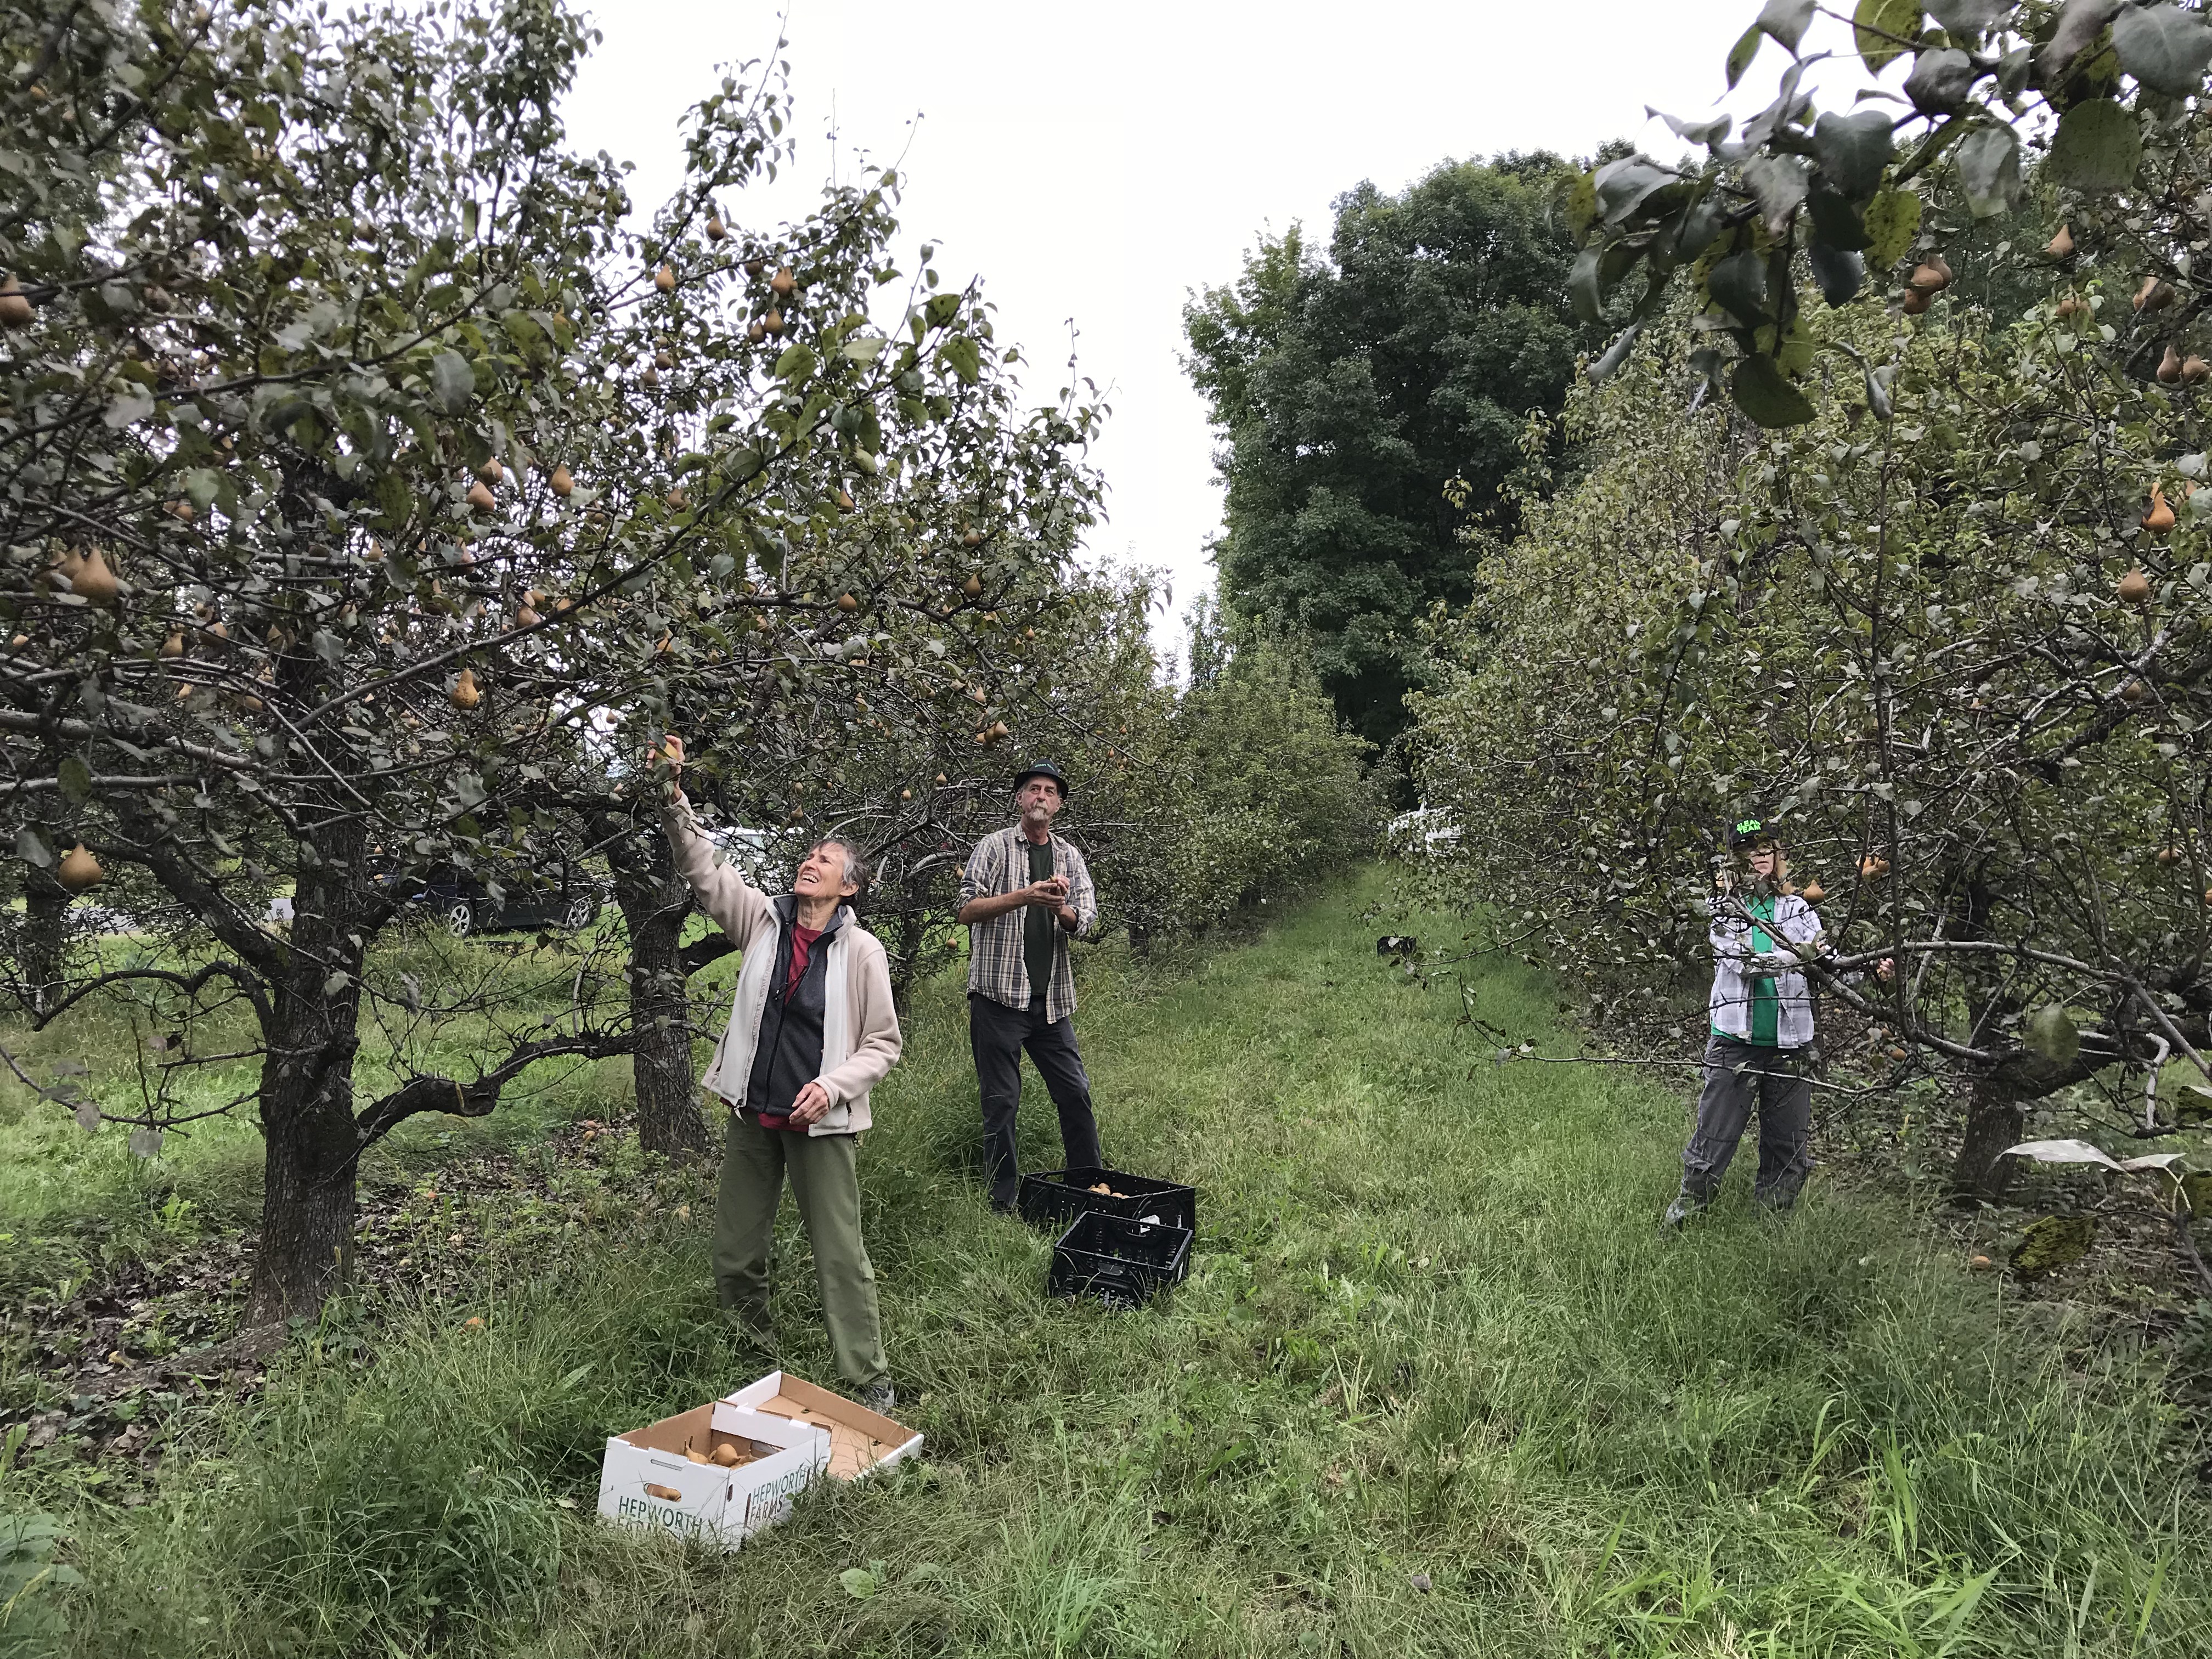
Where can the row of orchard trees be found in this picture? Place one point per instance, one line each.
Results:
(1893, 533)
(377, 492)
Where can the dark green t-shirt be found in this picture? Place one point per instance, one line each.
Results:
(1038, 926)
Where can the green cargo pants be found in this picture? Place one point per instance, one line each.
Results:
(825, 1179)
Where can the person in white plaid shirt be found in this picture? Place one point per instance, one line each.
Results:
(1025, 892)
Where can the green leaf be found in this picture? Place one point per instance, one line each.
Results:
(1875, 19)
(1582, 284)
(1839, 271)
(2164, 47)
(1853, 150)
(75, 781)
(128, 410)
(941, 309)
(1989, 169)
(1615, 354)
(32, 849)
(1741, 53)
(1622, 184)
(1835, 221)
(453, 382)
(2098, 147)
(1892, 220)
(865, 348)
(1738, 285)
(860, 1583)
(1786, 20)
(2049, 1030)
(796, 363)
(1766, 397)
(963, 357)
(1779, 183)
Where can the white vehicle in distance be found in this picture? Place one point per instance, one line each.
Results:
(1424, 832)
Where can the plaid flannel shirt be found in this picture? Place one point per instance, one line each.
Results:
(997, 966)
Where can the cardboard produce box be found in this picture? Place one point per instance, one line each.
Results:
(647, 1481)
(860, 1441)
(775, 1438)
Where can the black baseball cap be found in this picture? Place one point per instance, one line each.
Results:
(1043, 769)
(1749, 831)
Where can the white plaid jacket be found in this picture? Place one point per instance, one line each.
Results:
(997, 966)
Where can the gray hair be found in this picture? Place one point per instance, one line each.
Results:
(855, 872)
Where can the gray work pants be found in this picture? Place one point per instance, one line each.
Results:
(1738, 1076)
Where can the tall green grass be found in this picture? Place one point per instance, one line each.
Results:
(1433, 1331)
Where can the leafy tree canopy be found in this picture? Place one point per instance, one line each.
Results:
(1370, 403)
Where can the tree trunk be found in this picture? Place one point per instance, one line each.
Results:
(1995, 1115)
(45, 930)
(311, 1143)
(655, 903)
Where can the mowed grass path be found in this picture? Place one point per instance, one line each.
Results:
(1436, 1386)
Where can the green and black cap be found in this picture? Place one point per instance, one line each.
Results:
(1750, 831)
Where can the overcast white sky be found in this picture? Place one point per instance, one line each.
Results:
(1094, 163)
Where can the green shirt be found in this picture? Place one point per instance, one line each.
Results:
(1039, 924)
(1766, 1001)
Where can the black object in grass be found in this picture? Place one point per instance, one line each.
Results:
(1122, 1262)
(1051, 1197)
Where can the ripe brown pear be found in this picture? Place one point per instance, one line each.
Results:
(716, 230)
(754, 267)
(482, 499)
(848, 603)
(973, 587)
(664, 359)
(93, 582)
(1813, 892)
(773, 323)
(561, 483)
(2169, 367)
(2061, 246)
(971, 537)
(464, 693)
(2159, 518)
(2134, 588)
(651, 379)
(2153, 294)
(491, 472)
(664, 279)
(15, 310)
(1931, 275)
(527, 617)
(1917, 301)
(174, 645)
(755, 330)
(2168, 857)
(2072, 304)
(2195, 371)
(79, 870)
(1874, 868)
(783, 282)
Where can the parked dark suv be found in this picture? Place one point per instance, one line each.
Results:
(569, 898)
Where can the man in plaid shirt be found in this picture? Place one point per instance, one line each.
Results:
(1025, 893)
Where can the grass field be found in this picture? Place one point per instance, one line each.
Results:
(1436, 1387)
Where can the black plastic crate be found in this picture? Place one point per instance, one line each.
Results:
(1119, 1261)
(1055, 1197)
